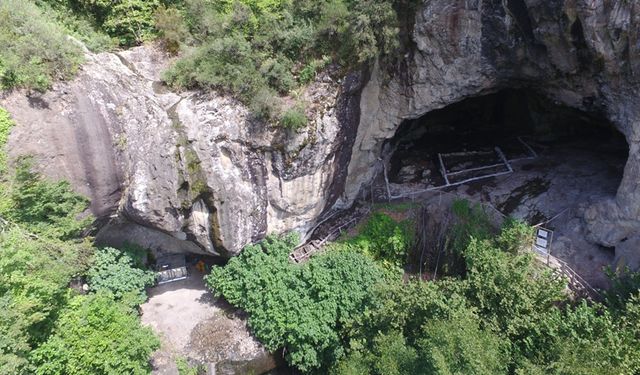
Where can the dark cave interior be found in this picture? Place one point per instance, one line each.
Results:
(466, 135)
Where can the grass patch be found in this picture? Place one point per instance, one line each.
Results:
(35, 51)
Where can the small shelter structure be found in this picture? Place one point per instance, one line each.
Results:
(171, 268)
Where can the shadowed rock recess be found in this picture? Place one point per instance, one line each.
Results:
(194, 172)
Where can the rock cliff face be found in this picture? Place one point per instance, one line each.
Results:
(188, 171)
(583, 54)
(194, 172)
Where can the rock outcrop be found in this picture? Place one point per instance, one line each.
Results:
(198, 169)
(583, 54)
(182, 171)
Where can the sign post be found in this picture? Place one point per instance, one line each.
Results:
(542, 242)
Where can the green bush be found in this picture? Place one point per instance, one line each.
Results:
(386, 240)
(44, 207)
(294, 118)
(308, 73)
(96, 335)
(226, 63)
(171, 28)
(301, 308)
(5, 127)
(624, 285)
(118, 272)
(35, 52)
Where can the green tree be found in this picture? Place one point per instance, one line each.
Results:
(96, 335)
(460, 346)
(116, 271)
(44, 207)
(129, 21)
(302, 308)
(34, 274)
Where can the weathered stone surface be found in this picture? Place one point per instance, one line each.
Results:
(197, 167)
(584, 54)
(184, 167)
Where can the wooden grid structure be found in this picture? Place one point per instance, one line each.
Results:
(336, 221)
(450, 174)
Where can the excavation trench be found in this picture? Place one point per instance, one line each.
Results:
(519, 152)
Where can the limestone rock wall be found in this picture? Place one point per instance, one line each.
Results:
(179, 171)
(581, 53)
(194, 172)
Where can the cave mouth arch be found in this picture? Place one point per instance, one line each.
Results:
(514, 125)
(521, 152)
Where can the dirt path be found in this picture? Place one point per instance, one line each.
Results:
(192, 324)
(173, 311)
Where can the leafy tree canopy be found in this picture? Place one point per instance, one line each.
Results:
(95, 335)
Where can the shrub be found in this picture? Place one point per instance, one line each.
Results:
(5, 127)
(171, 28)
(294, 118)
(308, 73)
(277, 72)
(515, 237)
(49, 208)
(385, 240)
(96, 335)
(35, 52)
(301, 308)
(264, 105)
(118, 272)
(226, 63)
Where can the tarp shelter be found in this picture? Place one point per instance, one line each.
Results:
(171, 268)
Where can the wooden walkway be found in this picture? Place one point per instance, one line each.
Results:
(328, 229)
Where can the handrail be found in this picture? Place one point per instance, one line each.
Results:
(332, 232)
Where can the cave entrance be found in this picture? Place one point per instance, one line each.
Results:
(519, 152)
(495, 135)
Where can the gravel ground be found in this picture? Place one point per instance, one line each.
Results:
(205, 330)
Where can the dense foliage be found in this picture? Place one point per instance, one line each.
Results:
(260, 49)
(384, 239)
(130, 22)
(117, 272)
(5, 127)
(46, 327)
(504, 314)
(301, 308)
(35, 50)
(34, 278)
(44, 207)
(94, 335)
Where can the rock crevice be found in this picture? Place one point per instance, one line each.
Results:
(196, 172)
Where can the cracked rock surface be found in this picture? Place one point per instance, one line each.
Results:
(180, 171)
(194, 172)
